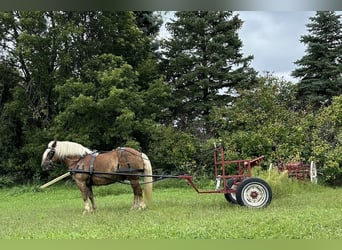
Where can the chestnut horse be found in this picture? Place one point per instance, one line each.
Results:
(89, 168)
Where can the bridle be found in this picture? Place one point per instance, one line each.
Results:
(51, 154)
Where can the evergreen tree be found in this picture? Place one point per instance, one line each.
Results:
(204, 66)
(148, 21)
(320, 70)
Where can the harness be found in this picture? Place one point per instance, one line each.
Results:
(122, 154)
(94, 154)
(80, 165)
(121, 170)
(51, 153)
(124, 169)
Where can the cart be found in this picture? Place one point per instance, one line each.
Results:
(240, 188)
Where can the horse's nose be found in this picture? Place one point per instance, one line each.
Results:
(45, 165)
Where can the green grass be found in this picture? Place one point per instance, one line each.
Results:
(297, 211)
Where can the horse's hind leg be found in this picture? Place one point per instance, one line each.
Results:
(138, 202)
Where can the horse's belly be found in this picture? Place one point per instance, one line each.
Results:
(105, 180)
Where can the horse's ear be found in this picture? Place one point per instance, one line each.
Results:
(54, 144)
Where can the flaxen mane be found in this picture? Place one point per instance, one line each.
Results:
(67, 148)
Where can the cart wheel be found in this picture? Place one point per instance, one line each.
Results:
(313, 172)
(254, 193)
(270, 167)
(231, 197)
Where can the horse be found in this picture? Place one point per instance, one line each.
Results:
(90, 168)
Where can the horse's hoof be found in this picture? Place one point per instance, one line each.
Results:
(138, 207)
(88, 212)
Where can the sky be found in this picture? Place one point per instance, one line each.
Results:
(273, 38)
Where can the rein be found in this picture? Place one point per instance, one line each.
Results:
(96, 173)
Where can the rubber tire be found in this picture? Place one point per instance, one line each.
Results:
(258, 187)
(231, 197)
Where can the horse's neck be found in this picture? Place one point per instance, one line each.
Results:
(72, 161)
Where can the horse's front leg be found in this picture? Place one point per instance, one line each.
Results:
(85, 190)
(91, 197)
(138, 201)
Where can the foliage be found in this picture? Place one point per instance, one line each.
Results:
(261, 122)
(46, 53)
(172, 151)
(204, 66)
(148, 22)
(320, 70)
(327, 136)
(112, 95)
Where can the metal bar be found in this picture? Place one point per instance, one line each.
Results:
(192, 184)
(184, 177)
(215, 161)
(222, 161)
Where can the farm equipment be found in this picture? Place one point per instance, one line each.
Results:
(241, 187)
(299, 170)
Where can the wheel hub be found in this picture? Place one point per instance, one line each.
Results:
(254, 194)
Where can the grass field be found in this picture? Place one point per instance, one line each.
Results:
(297, 211)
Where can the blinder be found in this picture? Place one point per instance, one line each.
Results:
(51, 154)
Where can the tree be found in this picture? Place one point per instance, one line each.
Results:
(12, 117)
(204, 66)
(261, 122)
(320, 70)
(148, 22)
(327, 142)
(42, 52)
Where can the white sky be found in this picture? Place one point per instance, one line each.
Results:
(272, 37)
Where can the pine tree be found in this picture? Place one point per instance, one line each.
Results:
(204, 65)
(320, 70)
(148, 21)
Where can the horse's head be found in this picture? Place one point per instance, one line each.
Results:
(49, 156)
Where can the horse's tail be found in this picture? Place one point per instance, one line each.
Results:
(148, 179)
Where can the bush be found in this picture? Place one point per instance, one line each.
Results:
(327, 138)
(6, 181)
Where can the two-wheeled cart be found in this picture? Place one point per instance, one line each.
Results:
(239, 188)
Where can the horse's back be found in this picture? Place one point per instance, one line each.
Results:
(122, 157)
(129, 158)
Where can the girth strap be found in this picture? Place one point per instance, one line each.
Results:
(93, 157)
